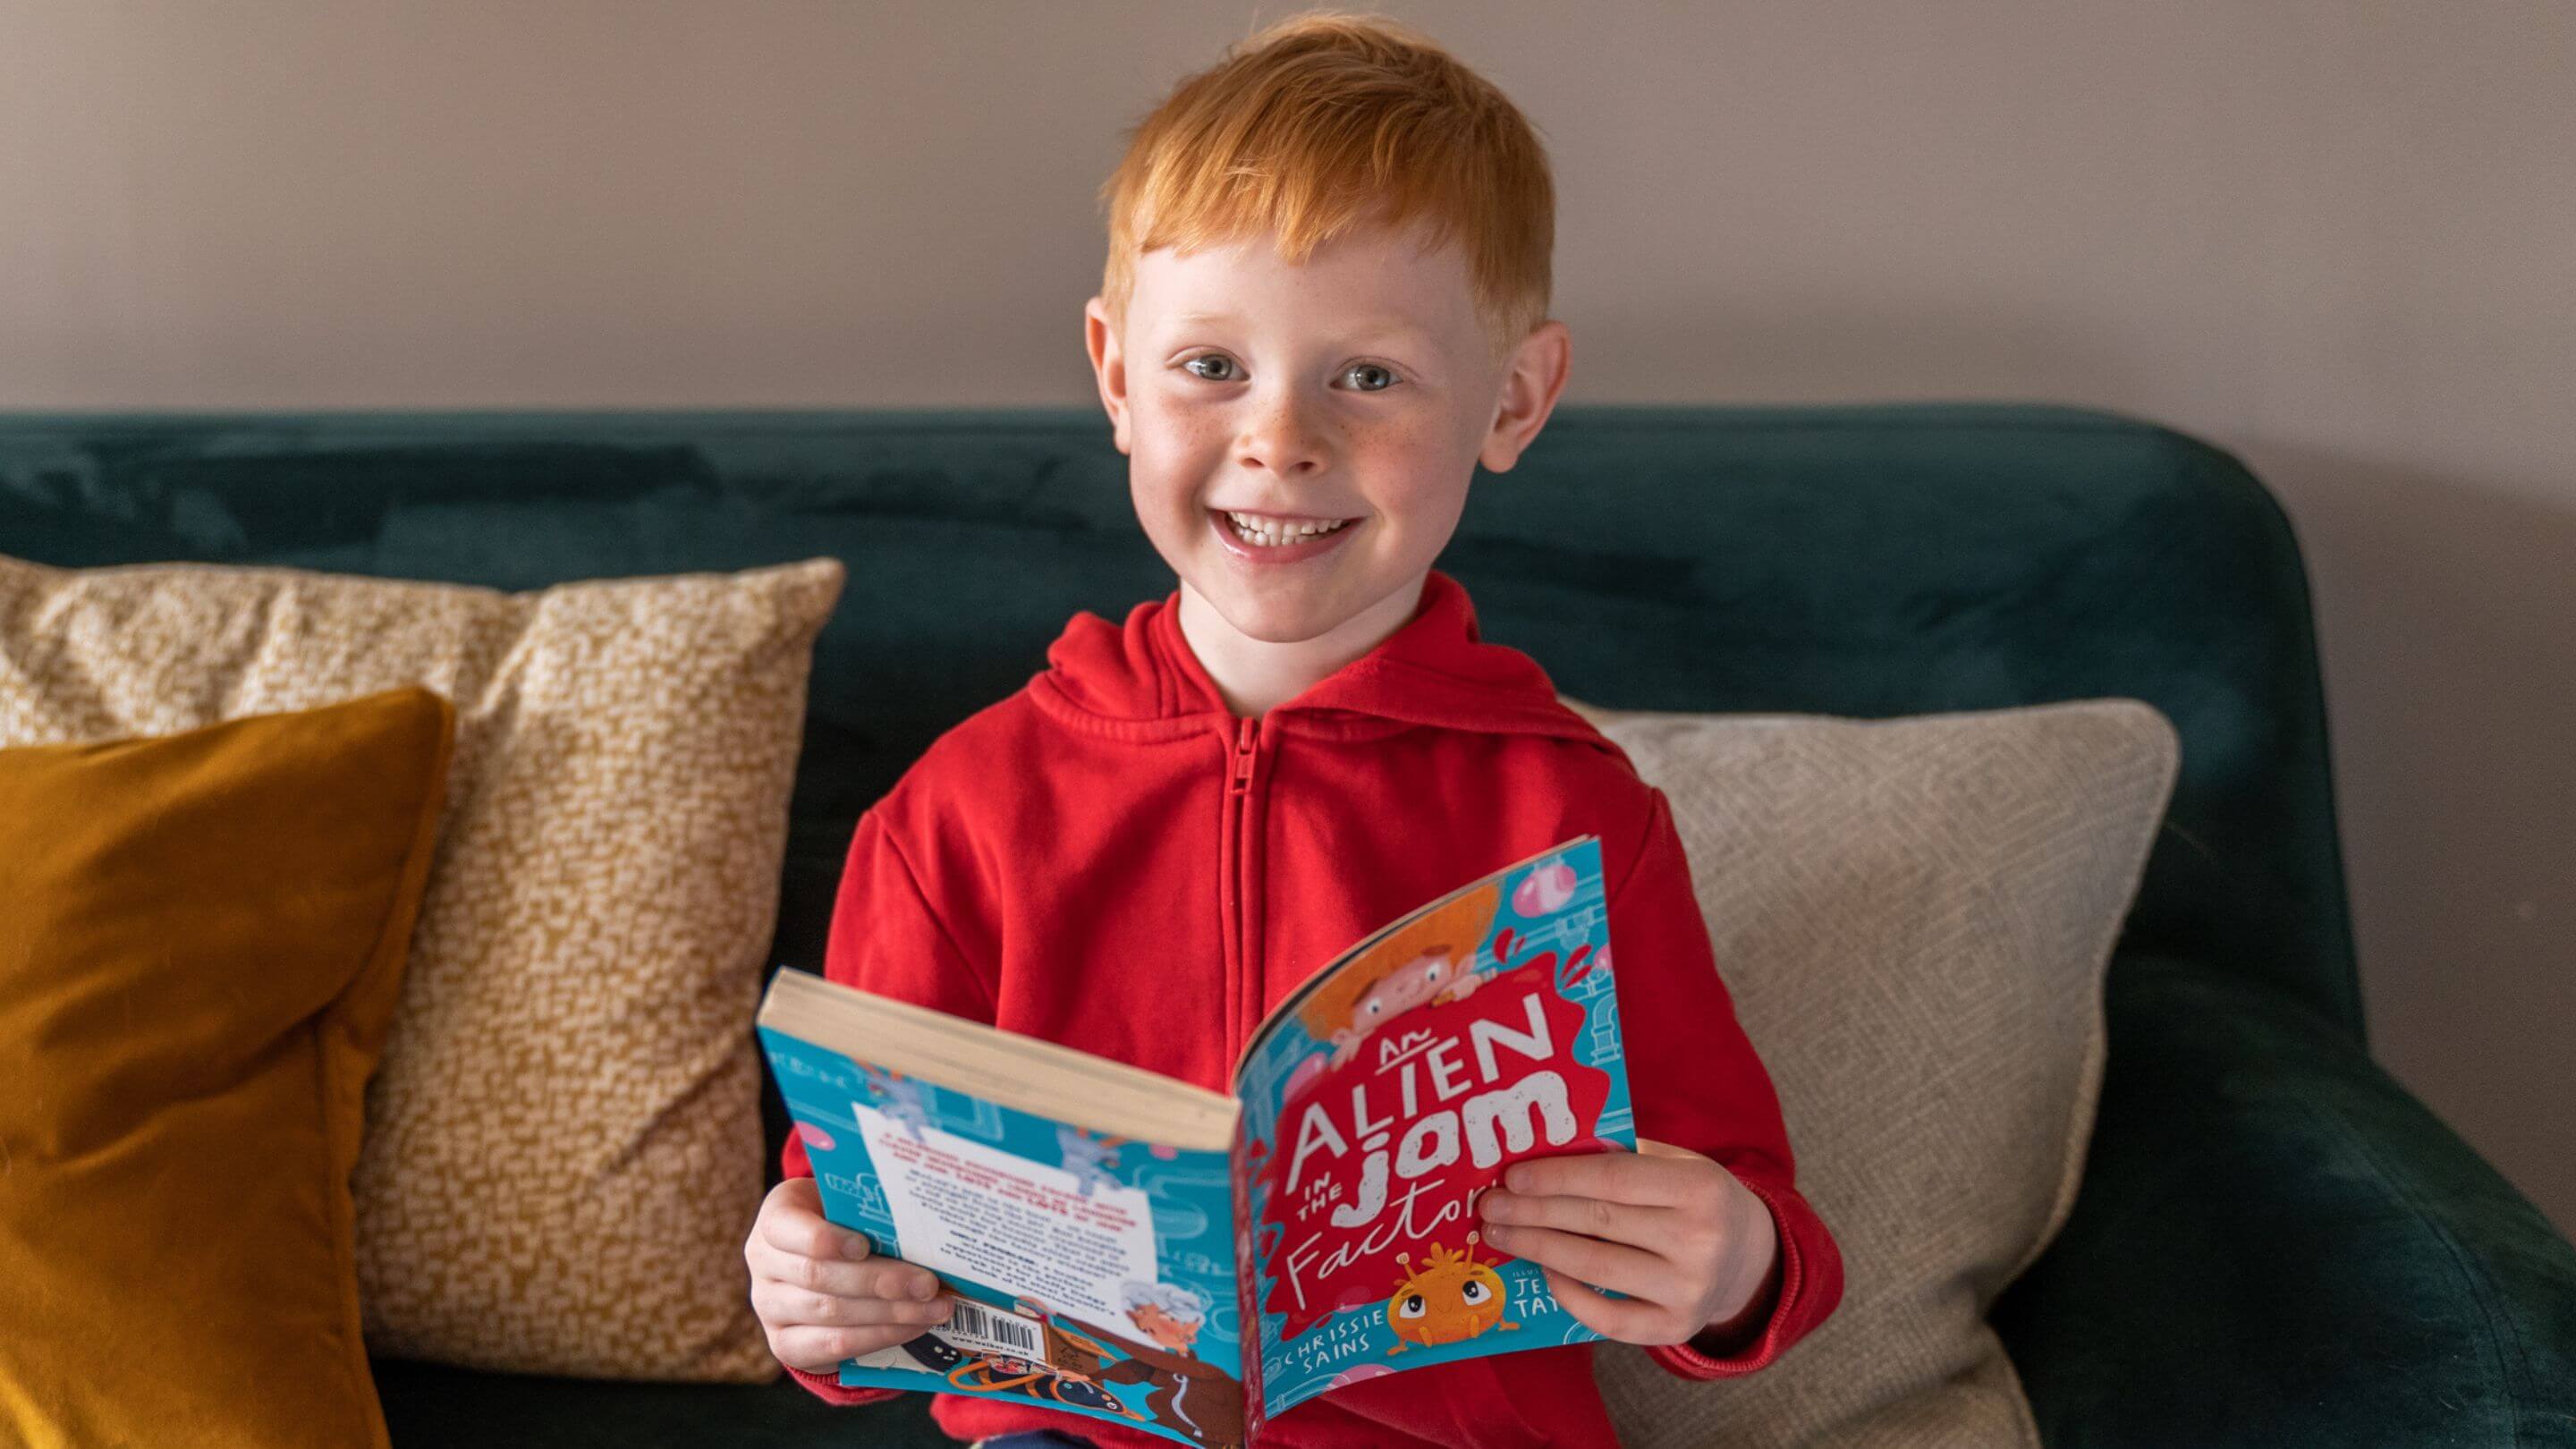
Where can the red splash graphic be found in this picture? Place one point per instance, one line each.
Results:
(1388, 1152)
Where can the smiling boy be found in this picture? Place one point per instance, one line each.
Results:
(1324, 307)
(1376, 395)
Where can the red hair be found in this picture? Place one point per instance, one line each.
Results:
(1327, 122)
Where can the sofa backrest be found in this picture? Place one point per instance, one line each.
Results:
(1862, 560)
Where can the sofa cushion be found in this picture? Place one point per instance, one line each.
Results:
(1913, 916)
(564, 1146)
(202, 941)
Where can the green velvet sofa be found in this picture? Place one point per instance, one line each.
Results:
(2274, 1244)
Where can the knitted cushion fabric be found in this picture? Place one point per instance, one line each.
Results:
(1913, 916)
(563, 1151)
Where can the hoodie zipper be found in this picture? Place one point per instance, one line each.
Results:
(1244, 739)
(1242, 981)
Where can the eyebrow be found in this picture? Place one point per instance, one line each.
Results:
(1376, 327)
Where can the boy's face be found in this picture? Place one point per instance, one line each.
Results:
(1360, 386)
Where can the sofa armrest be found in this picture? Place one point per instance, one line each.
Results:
(2274, 1244)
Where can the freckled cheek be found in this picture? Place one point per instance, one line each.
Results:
(1398, 448)
(1167, 483)
(1173, 454)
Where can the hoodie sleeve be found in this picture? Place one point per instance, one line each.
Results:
(886, 937)
(1697, 1083)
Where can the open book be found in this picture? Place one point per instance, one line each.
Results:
(1112, 1237)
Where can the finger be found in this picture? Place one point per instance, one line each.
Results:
(1633, 1271)
(792, 1222)
(1618, 1222)
(784, 1305)
(875, 1278)
(1653, 1181)
(820, 1350)
(1628, 1320)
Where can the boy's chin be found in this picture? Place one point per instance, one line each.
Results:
(1292, 615)
(1281, 626)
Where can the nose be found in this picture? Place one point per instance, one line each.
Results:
(1283, 439)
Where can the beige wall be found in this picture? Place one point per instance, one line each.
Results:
(2337, 238)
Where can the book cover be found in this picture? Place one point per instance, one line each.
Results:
(1138, 1249)
(1093, 1270)
(1385, 1096)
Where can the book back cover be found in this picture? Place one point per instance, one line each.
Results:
(1094, 1273)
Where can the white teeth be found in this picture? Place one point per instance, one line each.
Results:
(1262, 532)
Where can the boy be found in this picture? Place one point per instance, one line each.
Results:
(1325, 304)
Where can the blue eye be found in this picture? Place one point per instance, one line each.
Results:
(1360, 367)
(1192, 365)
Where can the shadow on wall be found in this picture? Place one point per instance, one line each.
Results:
(2445, 611)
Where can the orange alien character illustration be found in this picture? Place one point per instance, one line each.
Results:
(1449, 1299)
(1427, 962)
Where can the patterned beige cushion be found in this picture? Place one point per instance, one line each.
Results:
(1913, 916)
(563, 1149)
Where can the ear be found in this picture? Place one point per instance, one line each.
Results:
(1532, 379)
(1108, 366)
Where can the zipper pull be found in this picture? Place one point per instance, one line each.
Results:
(1243, 742)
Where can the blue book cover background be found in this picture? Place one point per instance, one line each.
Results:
(1121, 1251)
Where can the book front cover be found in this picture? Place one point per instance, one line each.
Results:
(1393, 1095)
(1094, 1273)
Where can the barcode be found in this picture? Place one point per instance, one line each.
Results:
(977, 1328)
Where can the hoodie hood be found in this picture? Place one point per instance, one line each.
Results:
(1140, 679)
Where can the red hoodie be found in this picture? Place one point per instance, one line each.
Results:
(1111, 859)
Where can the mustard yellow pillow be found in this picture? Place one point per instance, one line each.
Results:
(202, 937)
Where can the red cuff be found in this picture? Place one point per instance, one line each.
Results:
(829, 1389)
(1775, 1334)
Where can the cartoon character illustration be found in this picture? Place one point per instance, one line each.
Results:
(1427, 962)
(1449, 1299)
(1197, 1398)
(1087, 1157)
(1167, 1313)
(900, 1097)
(999, 1374)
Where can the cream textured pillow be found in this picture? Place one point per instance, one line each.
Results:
(1913, 916)
(563, 1150)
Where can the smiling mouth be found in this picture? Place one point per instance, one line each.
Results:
(1261, 532)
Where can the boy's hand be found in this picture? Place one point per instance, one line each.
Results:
(821, 1293)
(1692, 1247)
